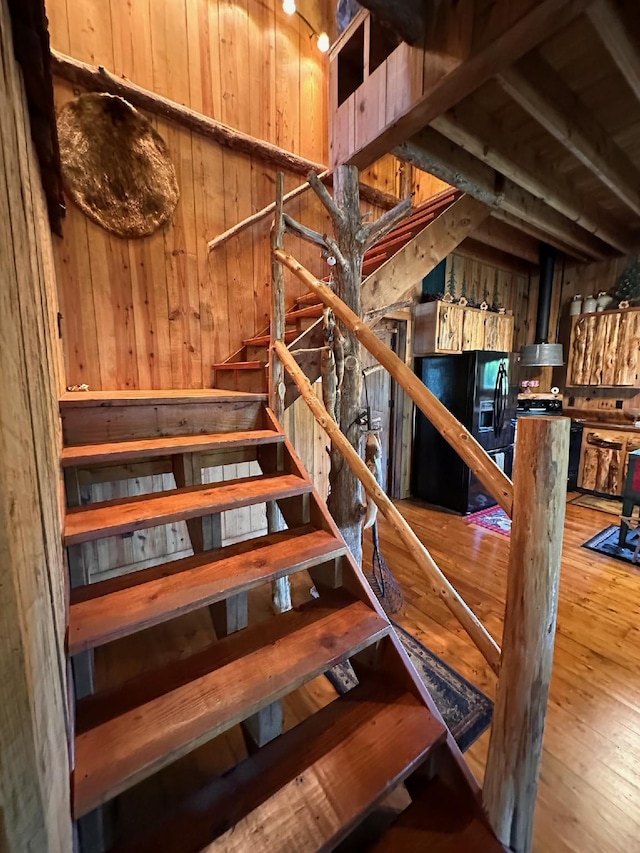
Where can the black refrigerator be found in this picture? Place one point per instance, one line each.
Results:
(478, 388)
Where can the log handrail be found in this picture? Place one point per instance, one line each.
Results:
(434, 575)
(469, 450)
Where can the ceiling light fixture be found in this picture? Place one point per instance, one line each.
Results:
(322, 39)
(323, 43)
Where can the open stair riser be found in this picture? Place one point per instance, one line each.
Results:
(233, 374)
(381, 733)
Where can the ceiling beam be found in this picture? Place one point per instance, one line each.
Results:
(476, 250)
(618, 31)
(504, 238)
(539, 235)
(546, 97)
(482, 135)
(514, 33)
(431, 151)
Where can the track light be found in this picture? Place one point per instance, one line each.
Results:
(289, 7)
(323, 43)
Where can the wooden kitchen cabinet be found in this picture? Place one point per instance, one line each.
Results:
(604, 349)
(443, 327)
(604, 459)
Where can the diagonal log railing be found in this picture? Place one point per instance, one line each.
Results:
(470, 451)
(436, 579)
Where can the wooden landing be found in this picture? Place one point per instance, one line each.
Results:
(155, 397)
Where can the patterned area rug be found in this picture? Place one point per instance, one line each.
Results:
(606, 542)
(613, 506)
(494, 518)
(465, 709)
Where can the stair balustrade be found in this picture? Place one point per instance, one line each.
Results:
(536, 506)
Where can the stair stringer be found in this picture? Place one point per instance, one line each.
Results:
(392, 656)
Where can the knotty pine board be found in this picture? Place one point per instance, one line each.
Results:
(33, 688)
(158, 312)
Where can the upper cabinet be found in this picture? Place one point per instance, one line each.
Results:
(604, 349)
(445, 327)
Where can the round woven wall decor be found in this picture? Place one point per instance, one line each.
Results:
(115, 165)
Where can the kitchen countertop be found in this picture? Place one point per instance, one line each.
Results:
(591, 424)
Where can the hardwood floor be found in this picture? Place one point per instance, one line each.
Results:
(589, 794)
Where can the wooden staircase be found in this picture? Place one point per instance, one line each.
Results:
(302, 789)
(246, 369)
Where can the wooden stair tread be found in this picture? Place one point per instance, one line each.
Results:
(440, 820)
(127, 735)
(265, 340)
(121, 451)
(305, 791)
(115, 608)
(313, 310)
(239, 365)
(75, 399)
(124, 515)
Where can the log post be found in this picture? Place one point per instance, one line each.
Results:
(515, 749)
(281, 588)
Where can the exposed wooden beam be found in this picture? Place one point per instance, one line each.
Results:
(483, 136)
(498, 235)
(485, 254)
(98, 79)
(618, 28)
(510, 40)
(546, 97)
(431, 151)
(539, 234)
(398, 277)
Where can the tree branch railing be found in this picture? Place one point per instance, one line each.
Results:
(437, 581)
(524, 664)
(460, 439)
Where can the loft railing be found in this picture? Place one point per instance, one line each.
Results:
(536, 503)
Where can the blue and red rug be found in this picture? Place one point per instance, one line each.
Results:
(494, 518)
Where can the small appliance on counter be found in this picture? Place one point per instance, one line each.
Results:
(539, 404)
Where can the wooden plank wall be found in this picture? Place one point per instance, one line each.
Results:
(34, 769)
(509, 288)
(158, 312)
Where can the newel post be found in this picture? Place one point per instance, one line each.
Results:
(515, 749)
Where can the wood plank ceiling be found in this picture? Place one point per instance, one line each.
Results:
(552, 142)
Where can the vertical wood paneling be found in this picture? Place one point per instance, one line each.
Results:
(159, 311)
(34, 771)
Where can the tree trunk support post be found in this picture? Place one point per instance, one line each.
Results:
(281, 588)
(515, 749)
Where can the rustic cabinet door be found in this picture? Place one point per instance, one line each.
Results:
(602, 464)
(627, 362)
(604, 349)
(473, 330)
(449, 327)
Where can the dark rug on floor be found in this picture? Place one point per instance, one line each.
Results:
(606, 542)
(465, 709)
